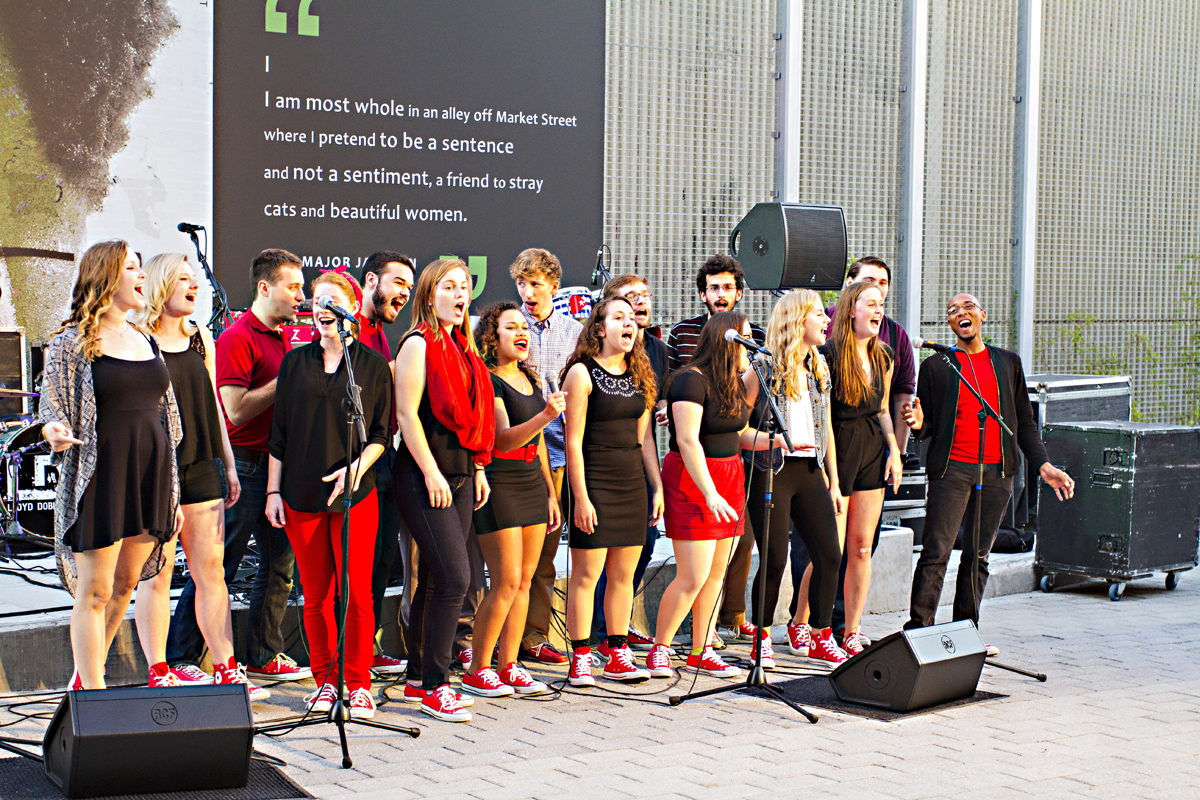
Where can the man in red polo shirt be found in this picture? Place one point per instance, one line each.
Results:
(248, 356)
(387, 282)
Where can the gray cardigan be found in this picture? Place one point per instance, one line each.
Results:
(69, 397)
(818, 393)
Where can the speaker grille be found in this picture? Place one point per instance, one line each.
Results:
(12, 369)
(816, 247)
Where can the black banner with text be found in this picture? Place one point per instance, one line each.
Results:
(432, 127)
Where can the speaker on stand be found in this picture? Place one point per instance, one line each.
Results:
(791, 246)
(914, 669)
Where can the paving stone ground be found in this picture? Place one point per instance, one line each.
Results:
(1119, 717)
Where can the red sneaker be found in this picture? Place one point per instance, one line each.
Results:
(442, 703)
(638, 640)
(581, 668)
(279, 668)
(76, 683)
(746, 630)
(161, 677)
(386, 665)
(825, 649)
(854, 643)
(463, 656)
(191, 675)
(362, 705)
(522, 682)
(658, 662)
(799, 639)
(709, 663)
(768, 652)
(234, 674)
(620, 667)
(486, 683)
(320, 701)
(544, 653)
(413, 693)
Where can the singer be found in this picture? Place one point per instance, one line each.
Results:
(307, 476)
(946, 415)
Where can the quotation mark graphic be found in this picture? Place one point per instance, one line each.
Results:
(476, 271)
(306, 24)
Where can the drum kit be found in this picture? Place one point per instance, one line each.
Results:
(29, 479)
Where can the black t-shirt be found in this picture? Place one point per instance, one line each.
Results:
(656, 351)
(520, 409)
(308, 431)
(718, 434)
(871, 405)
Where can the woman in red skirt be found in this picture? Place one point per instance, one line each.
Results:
(704, 484)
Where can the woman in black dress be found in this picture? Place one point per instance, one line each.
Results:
(511, 527)
(868, 457)
(203, 456)
(109, 415)
(611, 389)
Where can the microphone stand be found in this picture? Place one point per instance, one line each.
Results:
(221, 317)
(757, 677)
(972, 541)
(339, 714)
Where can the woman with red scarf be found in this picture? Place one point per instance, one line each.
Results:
(444, 404)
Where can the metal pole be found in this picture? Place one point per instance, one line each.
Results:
(1028, 101)
(789, 51)
(914, 64)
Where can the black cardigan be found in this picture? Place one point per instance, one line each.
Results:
(938, 388)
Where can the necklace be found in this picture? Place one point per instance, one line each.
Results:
(114, 330)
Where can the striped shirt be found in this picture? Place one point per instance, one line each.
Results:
(681, 342)
(551, 343)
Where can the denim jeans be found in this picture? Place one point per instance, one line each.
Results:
(948, 506)
(272, 583)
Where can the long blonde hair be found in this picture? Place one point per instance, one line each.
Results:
(162, 272)
(785, 340)
(422, 301)
(99, 278)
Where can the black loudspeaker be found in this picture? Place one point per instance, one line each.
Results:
(791, 246)
(914, 669)
(133, 741)
(12, 370)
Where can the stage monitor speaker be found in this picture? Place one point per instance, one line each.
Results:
(914, 669)
(134, 741)
(791, 246)
(12, 370)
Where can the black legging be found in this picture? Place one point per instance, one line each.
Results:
(800, 498)
(443, 568)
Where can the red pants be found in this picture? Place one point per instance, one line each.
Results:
(317, 541)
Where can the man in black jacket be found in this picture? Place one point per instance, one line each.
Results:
(946, 413)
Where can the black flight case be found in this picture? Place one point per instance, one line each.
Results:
(1136, 509)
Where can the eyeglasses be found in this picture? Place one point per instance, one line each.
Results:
(639, 297)
(967, 306)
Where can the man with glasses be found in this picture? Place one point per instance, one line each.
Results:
(945, 413)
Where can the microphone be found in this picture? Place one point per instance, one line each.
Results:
(754, 347)
(918, 343)
(552, 383)
(187, 227)
(328, 304)
(599, 270)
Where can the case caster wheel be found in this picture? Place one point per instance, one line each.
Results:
(1172, 580)
(1116, 591)
(1047, 584)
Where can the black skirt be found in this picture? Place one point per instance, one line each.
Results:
(519, 498)
(616, 485)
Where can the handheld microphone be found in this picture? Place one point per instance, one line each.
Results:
(918, 343)
(754, 347)
(328, 304)
(187, 227)
(552, 383)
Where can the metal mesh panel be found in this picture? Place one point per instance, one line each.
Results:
(969, 161)
(850, 126)
(688, 149)
(1119, 199)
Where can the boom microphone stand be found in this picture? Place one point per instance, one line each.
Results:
(757, 677)
(339, 715)
(221, 317)
(973, 537)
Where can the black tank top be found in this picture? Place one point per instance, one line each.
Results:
(842, 411)
(197, 404)
(520, 409)
(614, 408)
(451, 457)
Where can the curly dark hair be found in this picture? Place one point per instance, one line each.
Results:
(717, 360)
(590, 345)
(718, 265)
(487, 336)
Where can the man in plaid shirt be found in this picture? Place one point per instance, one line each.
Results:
(552, 340)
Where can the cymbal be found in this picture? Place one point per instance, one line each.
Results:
(17, 393)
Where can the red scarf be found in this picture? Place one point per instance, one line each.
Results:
(453, 372)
